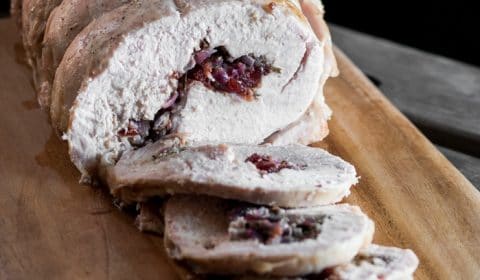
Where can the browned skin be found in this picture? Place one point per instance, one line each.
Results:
(64, 24)
(34, 19)
(16, 11)
(314, 13)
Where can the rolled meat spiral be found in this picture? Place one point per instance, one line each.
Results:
(218, 71)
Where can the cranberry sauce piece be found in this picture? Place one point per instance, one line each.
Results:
(216, 69)
(266, 164)
(272, 226)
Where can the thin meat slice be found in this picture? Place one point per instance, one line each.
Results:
(377, 262)
(150, 217)
(289, 176)
(198, 233)
(372, 263)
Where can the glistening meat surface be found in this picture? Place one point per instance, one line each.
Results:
(216, 69)
(131, 62)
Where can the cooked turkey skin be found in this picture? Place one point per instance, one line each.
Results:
(34, 18)
(16, 11)
(64, 24)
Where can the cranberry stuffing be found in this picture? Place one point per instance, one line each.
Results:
(326, 273)
(127, 132)
(272, 225)
(266, 164)
(135, 128)
(234, 86)
(218, 70)
(220, 75)
(200, 56)
(247, 60)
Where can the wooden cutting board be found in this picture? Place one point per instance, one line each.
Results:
(53, 228)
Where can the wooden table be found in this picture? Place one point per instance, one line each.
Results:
(52, 228)
(439, 95)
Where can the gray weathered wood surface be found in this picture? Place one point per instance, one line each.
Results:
(436, 93)
(441, 96)
(468, 165)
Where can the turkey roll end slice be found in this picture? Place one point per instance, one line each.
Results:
(218, 71)
(377, 262)
(372, 263)
(287, 176)
(219, 236)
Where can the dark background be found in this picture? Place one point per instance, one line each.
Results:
(448, 28)
(4, 6)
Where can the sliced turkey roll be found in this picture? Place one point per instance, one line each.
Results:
(314, 12)
(64, 24)
(310, 128)
(218, 236)
(34, 18)
(377, 262)
(150, 216)
(212, 71)
(287, 176)
(372, 263)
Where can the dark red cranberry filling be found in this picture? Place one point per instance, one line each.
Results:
(272, 226)
(140, 132)
(216, 69)
(266, 164)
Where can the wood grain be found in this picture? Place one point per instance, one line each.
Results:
(53, 228)
(415, 196)
(437, 94)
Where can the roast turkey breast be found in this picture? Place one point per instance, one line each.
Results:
(287, 176)
(211, 71)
